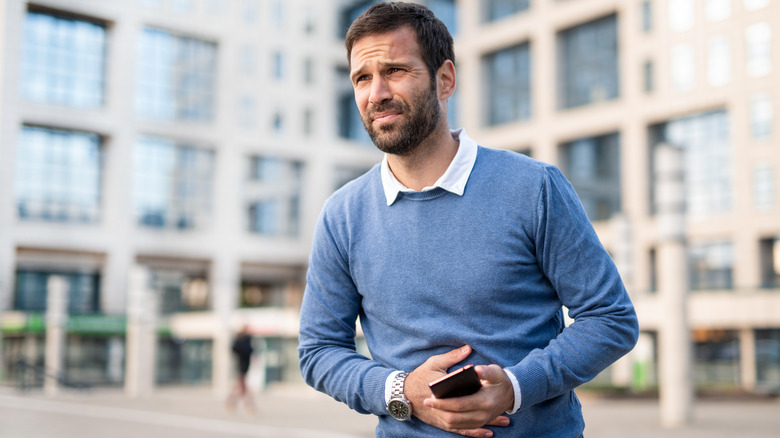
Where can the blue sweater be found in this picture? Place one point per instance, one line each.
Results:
(491, 269)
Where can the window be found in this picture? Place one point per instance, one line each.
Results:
(711, 265)
(172, 184)
(263, 294)
(716, 358)
(649, 76)
(278, 65)
(705, 139)
(593, 166)
(498, 9)
(717, 10)
(247, 112)
(250, 10)
(683, 67)
(763, 187)
(508, 81)
(446, 11)
(63, 60)
(718, 61)
(761, 116)
(31, 290)
(180, 289)
(349, 121)
(58, 175)
(768, 357)
(344, 175)
(681, 15)
(770, 261)
(758, 38)
(248, 59)
(588, 63)
(175, 77)
(274, 196)
(647, 16)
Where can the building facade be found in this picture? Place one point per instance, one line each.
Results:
(195, 141)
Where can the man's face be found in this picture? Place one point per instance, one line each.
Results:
(396, 98)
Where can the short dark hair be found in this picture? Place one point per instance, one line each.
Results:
(434, 39)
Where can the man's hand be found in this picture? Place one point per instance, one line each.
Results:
(462, 415)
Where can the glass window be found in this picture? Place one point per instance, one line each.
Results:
(263, 294)
(711, 265)
(250, 11)
(588, 63)
(682, 63)
(183, 360)
(682, 15)
(761, 116)
(31, 290)
(718, 61)
(344, 175)
(508, 80)
(180, 290)
(278, 14)
(182, 6)
(758, 38)
(349, 121)
(763, 187)
(593, 166)
(716, 358)
(58, 175)
(446, 11)
(768, 357)
(248, 59)
(278, 65)
(647, 16)
(172, 184)
(63, 60)
(649, 76)
(247, 112)
(707, 160)
(498, 9)
(175, 76)
(274, 196)
(717, 10)
(770, 262)
(754, 5)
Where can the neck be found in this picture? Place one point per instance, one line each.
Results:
(428, 162)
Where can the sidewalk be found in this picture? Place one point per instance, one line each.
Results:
(297, 411)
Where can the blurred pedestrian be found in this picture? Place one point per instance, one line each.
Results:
(242, 349)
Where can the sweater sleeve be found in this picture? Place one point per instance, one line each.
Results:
(587, 282)
(327, 354)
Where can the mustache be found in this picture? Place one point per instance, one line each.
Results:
(386, 106)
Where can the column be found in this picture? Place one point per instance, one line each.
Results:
(224, 286)
(56, 320)
(747, 359)
(141, 349)
(675, 369)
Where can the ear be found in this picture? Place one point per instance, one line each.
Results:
(445, 80)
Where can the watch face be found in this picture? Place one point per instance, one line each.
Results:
(399, 410)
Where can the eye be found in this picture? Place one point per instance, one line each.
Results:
(394, 70)
(361, 78)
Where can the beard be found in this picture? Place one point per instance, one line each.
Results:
(404, 137)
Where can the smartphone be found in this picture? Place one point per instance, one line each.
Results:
(461, 382)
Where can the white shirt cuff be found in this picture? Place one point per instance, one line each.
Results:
(516, 387)
(389, 386)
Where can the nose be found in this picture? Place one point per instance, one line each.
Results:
(380, 91)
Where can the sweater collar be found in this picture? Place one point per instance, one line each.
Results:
(454, 178)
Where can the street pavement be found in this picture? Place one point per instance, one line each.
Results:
(299, 412)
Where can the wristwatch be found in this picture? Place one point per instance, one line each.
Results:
(398, 406)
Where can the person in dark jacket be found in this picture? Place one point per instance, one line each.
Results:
(242, 349)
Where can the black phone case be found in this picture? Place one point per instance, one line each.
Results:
(461, 382)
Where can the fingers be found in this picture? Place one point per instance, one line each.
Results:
(491, 373)
(446, 360)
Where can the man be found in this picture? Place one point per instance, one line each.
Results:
(451, 254)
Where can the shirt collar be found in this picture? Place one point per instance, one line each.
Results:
(454, 178)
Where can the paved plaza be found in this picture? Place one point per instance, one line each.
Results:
(299, 412)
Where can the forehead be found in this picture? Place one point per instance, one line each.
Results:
(395, 45)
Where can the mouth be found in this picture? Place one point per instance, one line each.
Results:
(384, 117)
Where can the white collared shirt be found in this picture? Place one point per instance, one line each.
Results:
(453, 180)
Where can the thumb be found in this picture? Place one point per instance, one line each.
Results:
(491, 373)
(450, 358)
